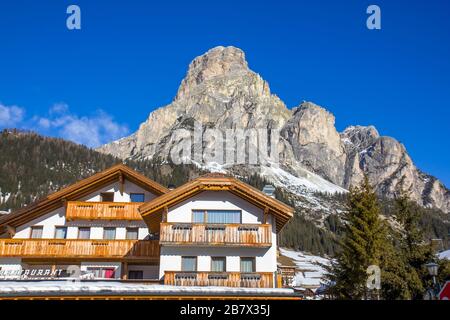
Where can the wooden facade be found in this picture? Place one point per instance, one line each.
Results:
(55, 248)
(78, 210)
(221, 279)
(258, 235)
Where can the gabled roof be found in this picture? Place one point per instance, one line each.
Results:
(152, 211)
(77, 191)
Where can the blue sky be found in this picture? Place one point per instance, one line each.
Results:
(99, 83)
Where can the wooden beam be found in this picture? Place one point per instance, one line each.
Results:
(124, 271)
(11, 231)
(266, 214)
(165, 213)
(121, 183)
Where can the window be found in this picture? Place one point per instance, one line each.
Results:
(84, 233)
(60, 232)
(36, 232)
(135, 274)
(137, 197)
(247, 264)
(198, 216)
(132, 233)
(109, 233)
(107, 196)
(102, 273)
(188, 263)
(216, 216)
(218, 264)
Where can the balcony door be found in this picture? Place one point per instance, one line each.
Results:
(60, 232)
(248, 265)
(218, 264)
(189, 264)
(109, 233)
(84, 233)
(132, 233)
(217, 216)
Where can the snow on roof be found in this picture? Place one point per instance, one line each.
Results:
(14, 288)
(310, 270)
(444, 255)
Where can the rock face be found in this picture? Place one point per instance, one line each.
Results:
(315, 142)
(220, 91)
(387, 164)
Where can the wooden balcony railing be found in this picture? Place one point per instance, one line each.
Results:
(222, 279)
(77, 210)
(257, 235)
(53, 248)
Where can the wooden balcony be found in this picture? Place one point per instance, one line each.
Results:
(221, 279)
(54, 248)
(251, 235)
(77, 210)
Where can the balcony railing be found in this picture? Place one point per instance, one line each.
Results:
(253, 235)
(77, 210)
(222, 279)
(53, 248)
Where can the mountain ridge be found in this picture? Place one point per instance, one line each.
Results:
(220, 90)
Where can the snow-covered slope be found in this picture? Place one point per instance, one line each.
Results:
(444, 255)
(310, 271)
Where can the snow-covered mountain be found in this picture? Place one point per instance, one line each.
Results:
(221, 92)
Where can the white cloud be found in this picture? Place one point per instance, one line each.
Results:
(59, 108)
(10, 116)
(92, 131)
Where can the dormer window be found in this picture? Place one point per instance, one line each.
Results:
(36, 232)
(137, 197)
(107, 196)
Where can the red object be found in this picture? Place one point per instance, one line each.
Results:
(445, 292)
(109, 273)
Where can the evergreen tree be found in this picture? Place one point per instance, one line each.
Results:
(411, 244)
(362, 244)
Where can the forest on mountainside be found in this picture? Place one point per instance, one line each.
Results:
(33, 166)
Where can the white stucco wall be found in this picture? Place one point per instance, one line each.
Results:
(222, 200)
(170, 258)
(118, 197)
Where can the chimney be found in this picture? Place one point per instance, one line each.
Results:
(269, 190)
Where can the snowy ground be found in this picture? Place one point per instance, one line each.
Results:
(114, 287)
(445, 255)
(305, 182)
(310, 272)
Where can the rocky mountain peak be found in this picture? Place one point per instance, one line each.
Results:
(220, 91)
(218, 62)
